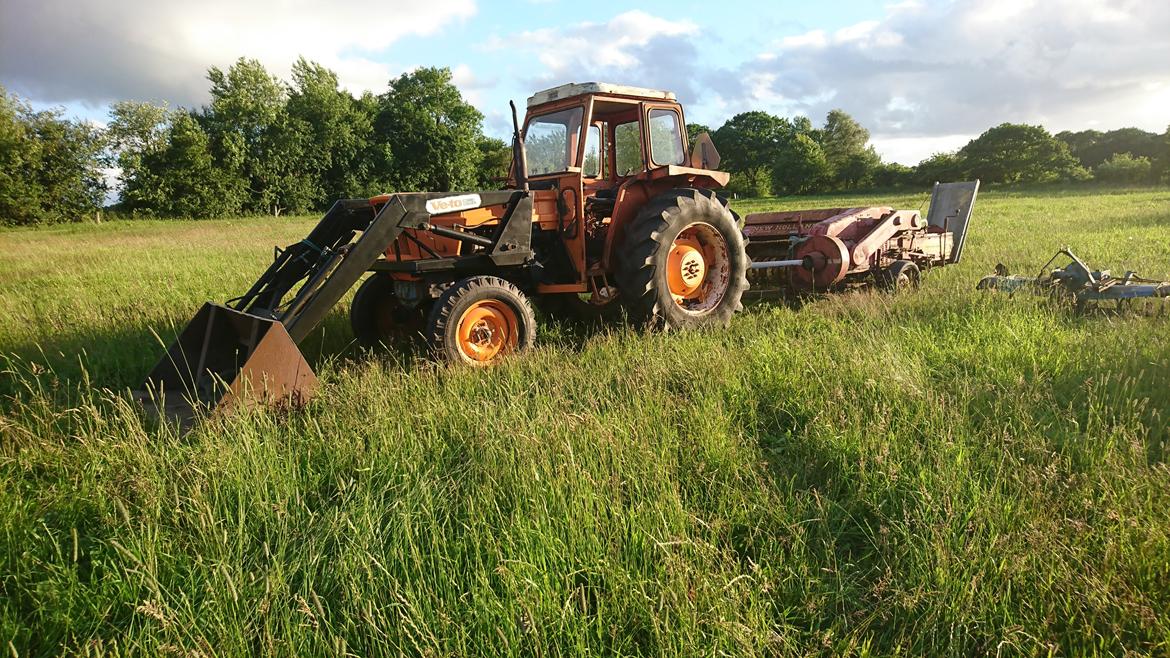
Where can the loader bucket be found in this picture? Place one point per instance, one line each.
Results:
(226, 358)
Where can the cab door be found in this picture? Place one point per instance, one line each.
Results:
(664, 135)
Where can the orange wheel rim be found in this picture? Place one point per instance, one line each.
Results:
(698, 268)
(487, 330)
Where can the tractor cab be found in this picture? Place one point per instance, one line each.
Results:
(599, 151)
(607, 134)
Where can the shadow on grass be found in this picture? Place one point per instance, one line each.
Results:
(119, 359)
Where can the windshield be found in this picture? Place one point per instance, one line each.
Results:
(550, 142)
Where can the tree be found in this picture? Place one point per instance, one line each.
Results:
(891, 175)
(1124, 168)
(249, 124)
(193, 184)
(1016, 153)
(19, 195)
(748, 144)
(1092, 147)
(136, 132)
(1162, 161)
(940, 167)
(495, 159)
(858, 169)
(846, 145)
(50, 167)
(694, 130)
(338, 130)
(801, 167)
(431, 134)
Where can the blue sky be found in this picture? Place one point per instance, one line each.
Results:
(922, 75)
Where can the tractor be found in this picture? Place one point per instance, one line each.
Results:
(606, 208)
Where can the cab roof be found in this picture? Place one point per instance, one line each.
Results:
(581, 88)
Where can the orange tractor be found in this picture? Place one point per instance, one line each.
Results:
(606, 208)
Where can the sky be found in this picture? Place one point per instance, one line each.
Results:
(924, 76)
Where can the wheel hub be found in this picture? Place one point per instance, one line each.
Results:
(486, 330)
(686, 268)
(482, 334)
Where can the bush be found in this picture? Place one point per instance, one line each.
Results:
(1013, 153)
(1124, 168)
(939, 168)
(50, 168)
(891, 175)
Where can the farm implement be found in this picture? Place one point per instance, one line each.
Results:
(828, 249)
(1078, 283)
(605, 209)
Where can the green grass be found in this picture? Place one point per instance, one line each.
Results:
(937, 473)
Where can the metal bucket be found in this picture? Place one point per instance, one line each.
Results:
(228, 359)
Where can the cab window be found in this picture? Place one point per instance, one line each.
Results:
(627, 142)
(591, 165)
(550, 141)
(666, 145)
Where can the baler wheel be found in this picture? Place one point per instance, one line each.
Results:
(902, 275)
(682, 262)
(479, 321)
(378, 318)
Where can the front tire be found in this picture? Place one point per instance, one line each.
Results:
(682, 263)
(479, 321)
(377, 317)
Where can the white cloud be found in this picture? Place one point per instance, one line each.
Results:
(928, 72)
(61, 50)
(471, 85)
(912, 150)
(633, 47)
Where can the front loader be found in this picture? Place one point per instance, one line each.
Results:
(606, 208)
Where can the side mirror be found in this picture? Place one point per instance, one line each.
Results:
(703, 153)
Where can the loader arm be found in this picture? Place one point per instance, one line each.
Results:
(247, 350)
(330, 260)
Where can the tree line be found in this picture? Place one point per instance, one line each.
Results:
(261, 146)
(770, 154)
(267, 146)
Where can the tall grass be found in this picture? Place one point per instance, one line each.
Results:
(938, 473)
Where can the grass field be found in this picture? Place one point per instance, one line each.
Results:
(936, 473)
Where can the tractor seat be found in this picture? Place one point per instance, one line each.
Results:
(601, 204)
(607, 193)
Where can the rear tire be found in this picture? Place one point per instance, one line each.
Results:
(682, 263)
(479, 321)
(378, 318)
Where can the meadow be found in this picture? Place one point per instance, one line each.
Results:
(940, 472)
